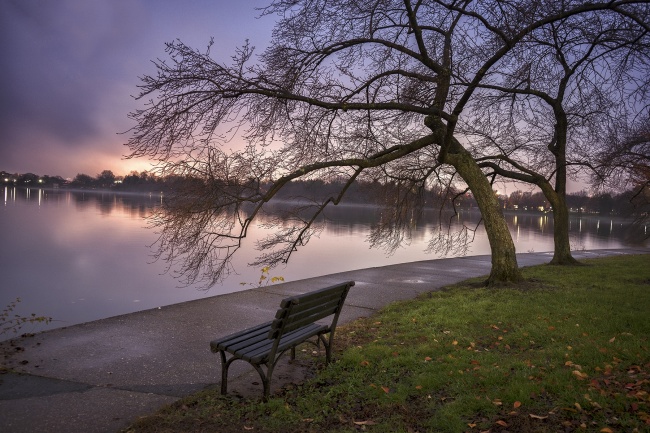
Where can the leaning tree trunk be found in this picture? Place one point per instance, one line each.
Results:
(504, 259)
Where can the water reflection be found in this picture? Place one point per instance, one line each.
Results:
(131, 205)
(338, 221)
(83, 255)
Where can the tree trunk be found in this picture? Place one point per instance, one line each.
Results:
(557, 196)
(562, 252)
(504, 259)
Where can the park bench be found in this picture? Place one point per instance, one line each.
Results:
(299, 319)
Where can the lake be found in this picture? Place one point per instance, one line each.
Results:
(78, 256)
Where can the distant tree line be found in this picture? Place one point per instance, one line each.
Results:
(626, 203)
(134, 181)
(30, 180)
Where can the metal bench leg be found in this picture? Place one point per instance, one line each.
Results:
(266, 380)
(328, 347)
(265, 377)
(224, 372)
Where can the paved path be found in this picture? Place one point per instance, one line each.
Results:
(102, 375)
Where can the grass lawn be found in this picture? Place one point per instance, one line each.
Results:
(567, 350)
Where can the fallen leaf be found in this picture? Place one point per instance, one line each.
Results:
(365, 363)
(385, 389)
(516, 404)
(502, 423)
(580, 375)
(428, 358)
(418, 387)
(606, 430)
(369, 422)
(611, 340)
(533, 416)
(455, 343)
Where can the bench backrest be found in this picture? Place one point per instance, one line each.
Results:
(298, 311)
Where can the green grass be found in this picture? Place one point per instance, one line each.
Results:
(567, 350)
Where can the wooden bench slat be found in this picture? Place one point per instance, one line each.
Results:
(258, 344)
(300, 305)
(316, 311)
(242, 334)
(295, 321)
(315, 295)
(261, 353)
(242, 346)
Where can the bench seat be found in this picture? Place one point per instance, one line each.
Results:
(254, 346)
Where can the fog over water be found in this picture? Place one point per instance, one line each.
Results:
(81, 256)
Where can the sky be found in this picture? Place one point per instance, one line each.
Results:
(69, 69)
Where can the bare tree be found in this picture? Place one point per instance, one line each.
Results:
(623, 163)
(346, 88)
(568, 81)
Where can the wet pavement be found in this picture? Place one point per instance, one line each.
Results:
(100, 376)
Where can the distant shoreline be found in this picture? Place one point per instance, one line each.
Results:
(284, 201)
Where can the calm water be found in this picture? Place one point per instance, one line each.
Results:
(81, 256)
